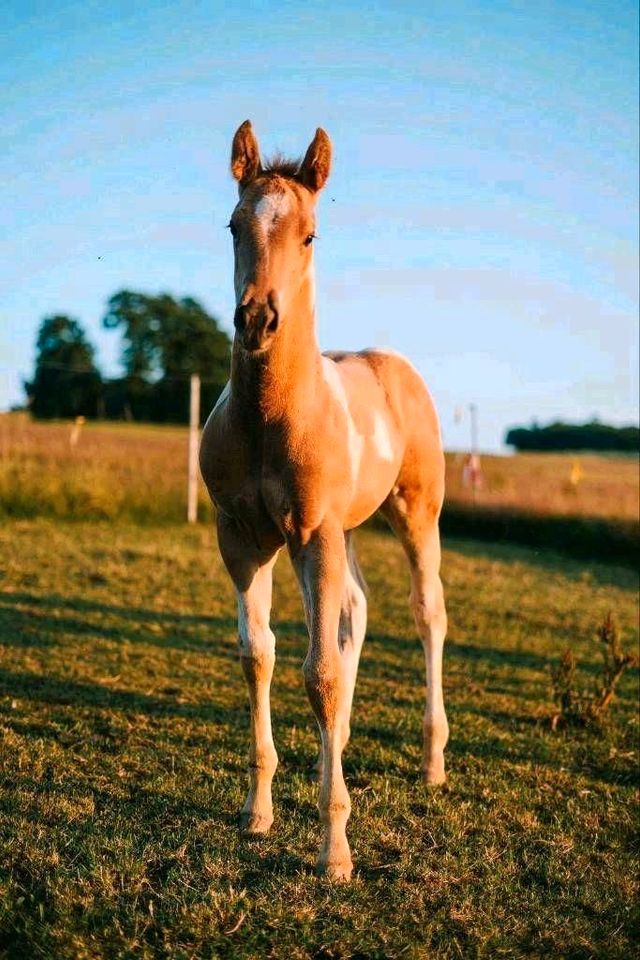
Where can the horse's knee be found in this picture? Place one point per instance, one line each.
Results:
(322, 683)
(257, 654)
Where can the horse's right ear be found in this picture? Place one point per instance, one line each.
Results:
(245, 155)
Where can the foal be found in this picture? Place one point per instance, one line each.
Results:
(300, 449)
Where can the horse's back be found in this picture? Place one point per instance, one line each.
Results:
(406, 393)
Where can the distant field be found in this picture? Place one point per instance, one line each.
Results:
(138, 472)
(123, 742)
(541, 482)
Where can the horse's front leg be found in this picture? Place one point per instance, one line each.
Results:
(252, 576)
(321, 568)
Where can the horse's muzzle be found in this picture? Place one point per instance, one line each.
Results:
(256, 323)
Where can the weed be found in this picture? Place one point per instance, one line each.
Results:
(579, 706)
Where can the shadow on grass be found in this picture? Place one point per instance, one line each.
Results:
(63, 692)
(60, 691)
(540, 752)
(32, 628)
(471, 653)
(606, 572)
(537, 750)
(28, 628)
(119, 799)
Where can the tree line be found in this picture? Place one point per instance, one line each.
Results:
(164, 341)
(572, 436)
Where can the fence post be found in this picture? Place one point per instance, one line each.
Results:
(194, 431)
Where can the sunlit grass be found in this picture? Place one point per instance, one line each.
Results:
(138, 472)
(123, 724)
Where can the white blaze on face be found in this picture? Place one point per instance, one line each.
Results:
(381, 437)
(355, 440)
(270, 208)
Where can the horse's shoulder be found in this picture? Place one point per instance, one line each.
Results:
(222, 446)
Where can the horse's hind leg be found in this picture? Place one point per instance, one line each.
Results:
(415, 521)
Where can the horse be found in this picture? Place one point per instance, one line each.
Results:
(300, 449)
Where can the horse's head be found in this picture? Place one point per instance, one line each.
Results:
(273, 229)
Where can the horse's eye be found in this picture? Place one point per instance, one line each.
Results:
(309, 240)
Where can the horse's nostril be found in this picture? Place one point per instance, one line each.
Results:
(255, 323)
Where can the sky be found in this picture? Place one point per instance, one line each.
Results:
(481, 216)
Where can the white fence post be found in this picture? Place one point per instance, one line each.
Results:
(194, 432)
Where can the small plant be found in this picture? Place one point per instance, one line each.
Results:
(577, 706)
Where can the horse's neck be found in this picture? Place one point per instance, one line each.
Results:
(279, 385)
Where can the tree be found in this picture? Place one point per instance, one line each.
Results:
(569, 436)
(66, 382)
(165, 341)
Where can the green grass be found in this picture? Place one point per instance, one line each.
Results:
(123, 726)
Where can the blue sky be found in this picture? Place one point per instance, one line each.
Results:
(481, 216)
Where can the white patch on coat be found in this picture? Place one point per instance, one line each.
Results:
(381, 438)
(389, 351)
(270, 208)
(255, 636)
(355, 439)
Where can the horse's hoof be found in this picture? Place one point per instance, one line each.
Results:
(253, 825)
(339, 870)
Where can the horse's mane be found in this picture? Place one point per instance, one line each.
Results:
(279, 166)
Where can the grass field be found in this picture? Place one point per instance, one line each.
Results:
(123, 722)
(138, 472)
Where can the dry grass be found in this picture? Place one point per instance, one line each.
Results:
(541, 483)
(138, 472)
(133, 471)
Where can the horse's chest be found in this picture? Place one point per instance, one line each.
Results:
(290, 502)
(272, 494)
(241, 488)
(264, 479)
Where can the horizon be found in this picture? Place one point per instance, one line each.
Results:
(481, 216)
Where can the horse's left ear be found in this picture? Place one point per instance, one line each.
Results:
(316, 165)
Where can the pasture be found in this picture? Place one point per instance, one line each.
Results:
(138, 472)
(123, 718)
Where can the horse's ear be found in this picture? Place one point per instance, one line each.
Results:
(316, 165)
(245, 155)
